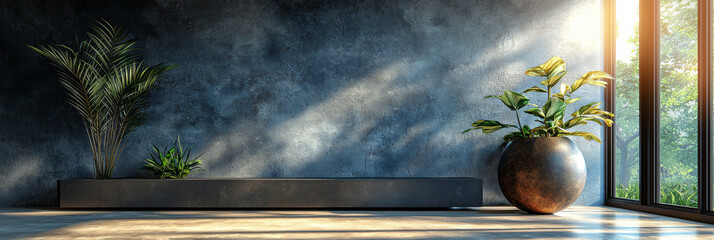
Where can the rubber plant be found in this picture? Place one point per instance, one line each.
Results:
(108, 85)
(551, 116)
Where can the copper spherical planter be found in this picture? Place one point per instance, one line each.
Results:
(542, 175)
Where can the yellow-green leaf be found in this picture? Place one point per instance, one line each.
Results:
(564, 88)
(536, 71)
(553, 66)
(571, 100)
(592, 78)
(553, 80)
(574, 122)
(535, 89)
(585, 108)
(586, 135)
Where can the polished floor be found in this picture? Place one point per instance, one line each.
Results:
(476, 223)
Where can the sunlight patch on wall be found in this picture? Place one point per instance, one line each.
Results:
(313, 132)
(23, 167)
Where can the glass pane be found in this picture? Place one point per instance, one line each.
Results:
(678, 102)
(627, 122)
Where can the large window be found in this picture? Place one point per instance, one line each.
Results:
(658, 154)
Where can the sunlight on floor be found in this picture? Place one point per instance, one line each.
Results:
(483, 223)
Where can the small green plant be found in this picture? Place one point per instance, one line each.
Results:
(174, 163)
(551, 114)
(631, 191)
(670, 193)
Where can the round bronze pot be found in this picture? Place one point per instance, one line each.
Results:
(542, 175)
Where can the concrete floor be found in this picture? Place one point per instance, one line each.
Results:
(476, 223)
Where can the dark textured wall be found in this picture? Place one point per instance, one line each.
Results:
(297, 88)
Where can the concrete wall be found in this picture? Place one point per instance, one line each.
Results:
(297, 88)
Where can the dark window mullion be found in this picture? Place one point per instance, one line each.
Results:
(704, 103)
(649, 99)
(610, 63)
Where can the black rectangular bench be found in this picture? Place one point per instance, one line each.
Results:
(272, 193)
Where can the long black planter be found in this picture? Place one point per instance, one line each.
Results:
(272, 193)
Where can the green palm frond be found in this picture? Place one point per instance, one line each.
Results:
(108, 85)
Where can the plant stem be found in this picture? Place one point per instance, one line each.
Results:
(520, 128)
(548, 94)
(547, 134)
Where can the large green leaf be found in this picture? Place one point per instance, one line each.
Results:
(511, 99)
(553, 109)
(538, 112)
(488, 126)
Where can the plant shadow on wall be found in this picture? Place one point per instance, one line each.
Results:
(541, 171)
(108, 86)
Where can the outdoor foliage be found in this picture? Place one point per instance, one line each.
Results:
(671, 193)
(108, 86)
(551, 114)
(175, 163)
(631, 191)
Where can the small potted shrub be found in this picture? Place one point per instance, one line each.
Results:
(541, 170)
(171, 163)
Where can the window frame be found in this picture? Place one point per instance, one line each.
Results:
(649, 113)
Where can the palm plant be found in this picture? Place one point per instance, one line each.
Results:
(173, 163)
(551, 114)
(108, 86)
